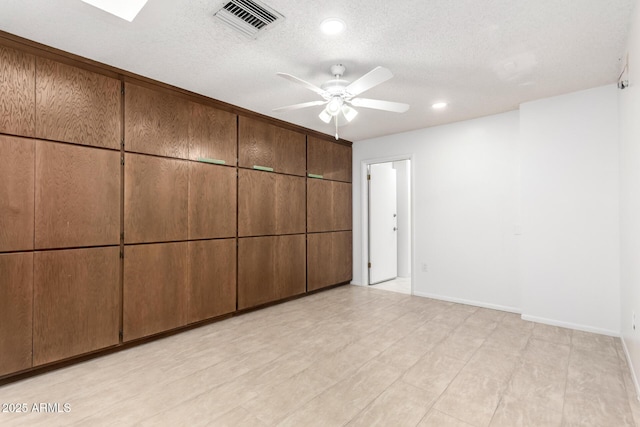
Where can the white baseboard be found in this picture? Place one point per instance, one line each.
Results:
(469, 302)
(634, 377)
(569, 325)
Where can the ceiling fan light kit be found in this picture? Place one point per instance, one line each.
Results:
(339, 95)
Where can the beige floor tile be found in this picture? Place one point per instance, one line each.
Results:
(401, 404)
(343, 363)
(436, 418)
(341, 402)
(542, 385)
(462, 343)
(552, 333)
(276, 402)
(491, 363)
(237, 417)
(433, 372)
(471, 398)
(547, 353)
(513, 412)
(587, 409)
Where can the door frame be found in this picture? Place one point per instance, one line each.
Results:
(364, 211)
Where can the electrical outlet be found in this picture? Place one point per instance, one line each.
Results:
(424, 267)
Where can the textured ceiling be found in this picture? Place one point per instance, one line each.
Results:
(480, 56)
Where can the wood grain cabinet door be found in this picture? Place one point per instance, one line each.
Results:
(341, 206)
(156, 195)
(76, 105)
(155, 288)
(76, 302)
(212, 134)
(329, 259)
(328, 205)
(330, 159)
(212, 279)
(265, 145)
(290, 205)
(16, 315)
(212, 201)
(256, 203)
(156, 122)
(17, 92)
(77, 200)
(16, 193)
(270, 268)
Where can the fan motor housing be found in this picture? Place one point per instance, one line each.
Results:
(335, 86)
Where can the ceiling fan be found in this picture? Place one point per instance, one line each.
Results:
(340, 96)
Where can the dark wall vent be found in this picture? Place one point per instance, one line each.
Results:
(249, 17)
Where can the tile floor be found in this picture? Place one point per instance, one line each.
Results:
(399, 284)
(351, 356)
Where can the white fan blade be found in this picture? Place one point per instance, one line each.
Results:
(308, 85)
(299, 106)
(396, 107)
(369, 80)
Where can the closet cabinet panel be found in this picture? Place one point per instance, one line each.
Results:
(341, 206)
(16, 315)
(77, 200)
(270, 268)
(76, 302)
(342, 256)
(328, 205)
(155, 199)
(319, 205)
(329, 159)
(263, 144)
(290, 205)
(16, 193)
(329, 259)
(17, 92)
(155, 288)
(211, 288)
(156, 122)
(75, 105)
(212, 201)
(212, 134)
(256, 203)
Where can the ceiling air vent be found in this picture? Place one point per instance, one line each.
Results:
(249, 17)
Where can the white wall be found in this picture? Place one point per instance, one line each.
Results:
(403, 181)
(629, 103)
(569, 249)
(464, 208)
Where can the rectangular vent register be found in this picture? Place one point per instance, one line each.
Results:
(249, 17)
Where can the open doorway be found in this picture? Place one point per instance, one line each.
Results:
(389, 225)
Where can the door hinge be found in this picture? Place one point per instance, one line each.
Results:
(120, 335)
(369, 265)
(122, 160)
(121, 254)
(368, 177)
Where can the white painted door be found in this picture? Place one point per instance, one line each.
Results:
(383, 235)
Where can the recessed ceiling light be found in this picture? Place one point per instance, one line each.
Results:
(332, 26)
(125, 9)
(439, 105)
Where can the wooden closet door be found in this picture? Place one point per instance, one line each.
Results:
(266, 145)
(16, 315)
(212, 201)
(156, 195)
(319, 268)
(290, 266)
(77, 199)
(341, 159)
(256, 270)
(341, 206)
(290, 205)
(76, 105)
(16, 193)
(342, 256)
(319, 205)
(155, 288)
(17, 92)
(256, 203)
(76, 302)
(212, 279)
(212, 134)
(330, 159)
(156, 122)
